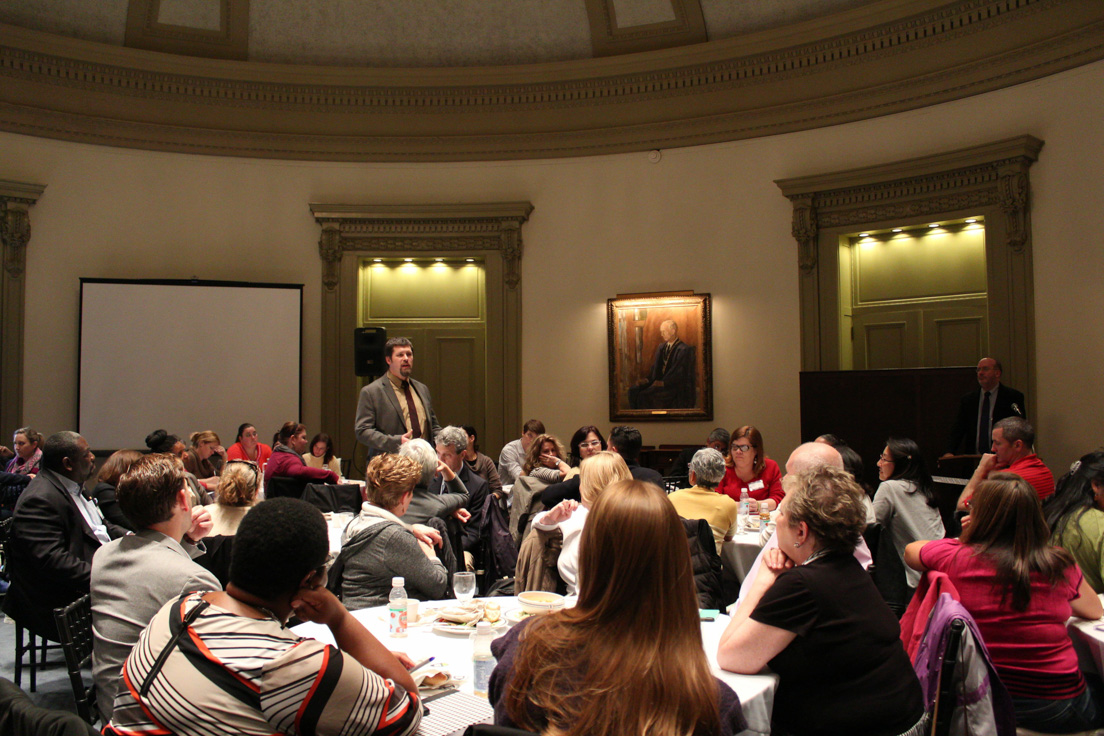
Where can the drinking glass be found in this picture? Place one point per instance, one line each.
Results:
(463, 585)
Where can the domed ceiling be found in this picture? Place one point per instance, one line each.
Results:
(418, 33)
(436, 80)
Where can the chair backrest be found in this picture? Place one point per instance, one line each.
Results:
(334, 498)
(281, 487)
(5, 532)
(74, 623)
(945, 692)
(706, 562)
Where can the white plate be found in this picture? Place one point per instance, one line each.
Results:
(518, 615)
(444, 627)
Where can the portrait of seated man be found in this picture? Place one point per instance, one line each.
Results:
(670, 382)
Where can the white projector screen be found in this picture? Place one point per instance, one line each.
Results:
(186, 356)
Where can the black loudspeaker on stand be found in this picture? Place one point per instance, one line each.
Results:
(368, 345)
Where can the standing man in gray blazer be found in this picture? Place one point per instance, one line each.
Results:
(395, 408)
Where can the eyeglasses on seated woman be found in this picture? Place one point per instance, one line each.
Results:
(628, 658)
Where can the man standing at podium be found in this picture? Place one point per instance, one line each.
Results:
(990, 402)
(395, 408)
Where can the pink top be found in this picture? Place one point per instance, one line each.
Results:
(1030, 649)
(768, 484)
(237, 452)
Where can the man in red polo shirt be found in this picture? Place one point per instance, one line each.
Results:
(1013, 439)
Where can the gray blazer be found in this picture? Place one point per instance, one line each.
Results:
(379, 419)
(132, 578)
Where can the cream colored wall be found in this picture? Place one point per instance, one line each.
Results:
(708, 219)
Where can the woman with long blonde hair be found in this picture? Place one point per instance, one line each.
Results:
(236, 494)
(596, 473)
(602, 668)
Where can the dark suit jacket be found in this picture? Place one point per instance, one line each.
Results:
(428, 503)
(963, 437)
(379, 419)
(477, 494)
(678, 380)
(51, 548)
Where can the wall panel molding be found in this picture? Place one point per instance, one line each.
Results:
(884, 57)
(990, 180)
(490, 231)
(16, 200)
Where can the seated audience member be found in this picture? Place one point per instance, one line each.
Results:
(480, 464)
(247, 447)
(451, 443)
(108, 480)
(702, 501)
(650, 670)
(814, 615)
(132, 577)
(270, 680)
(287, 458)
(831, 439)
(546, 460)
(377, 545)
(750, 468)
(905, 503)
(55, 531)
(627, 442)
(1013, 443)
(719, 439)
(11, 485)
(1075, 515)
(237, 491)
(205, 458)
(1021, 591)
(321, 454)
(597, 473)
(513, 454)
(161, 441)
(426, 505)
(810, 456)
(586, 442)
(28, 452)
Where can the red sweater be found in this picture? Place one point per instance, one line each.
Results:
(770, 478)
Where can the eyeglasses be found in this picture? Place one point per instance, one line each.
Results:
(742, 448)
(592, 443)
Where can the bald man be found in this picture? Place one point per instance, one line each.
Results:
(670, 383)
(806, 457)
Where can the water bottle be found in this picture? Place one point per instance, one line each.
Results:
(742, 512)
(396, 606)
(482, 661)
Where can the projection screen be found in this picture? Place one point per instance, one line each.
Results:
(186, 356)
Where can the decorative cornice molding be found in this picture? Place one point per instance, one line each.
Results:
(410, 228)
(894, 55)
(16, 200)
(990, 174)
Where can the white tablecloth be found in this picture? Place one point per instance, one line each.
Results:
(756, 691)
(1088, 641)
(739, 553)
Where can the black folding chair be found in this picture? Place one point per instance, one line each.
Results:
(26, 640)
(335, 498)
(74, 623)
(943, 710)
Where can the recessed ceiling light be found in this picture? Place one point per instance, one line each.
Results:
(896, 229)
(378, 260)
(408, 260)
(934, 224)
(438, 260)
(470, 260)
(864, 235)
(971, 219)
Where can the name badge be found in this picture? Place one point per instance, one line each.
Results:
(755, 486)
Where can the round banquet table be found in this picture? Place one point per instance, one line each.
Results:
(756, 691)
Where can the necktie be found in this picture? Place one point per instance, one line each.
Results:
(416, 427)
(984, 438)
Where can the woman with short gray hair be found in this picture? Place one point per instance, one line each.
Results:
(702, 501)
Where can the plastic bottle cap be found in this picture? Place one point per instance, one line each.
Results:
(398, 582)
(483, 626)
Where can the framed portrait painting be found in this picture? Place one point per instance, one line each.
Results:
(660, 356)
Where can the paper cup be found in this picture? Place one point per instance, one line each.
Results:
(411, 610)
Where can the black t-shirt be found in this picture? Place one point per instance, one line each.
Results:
(847, 671)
